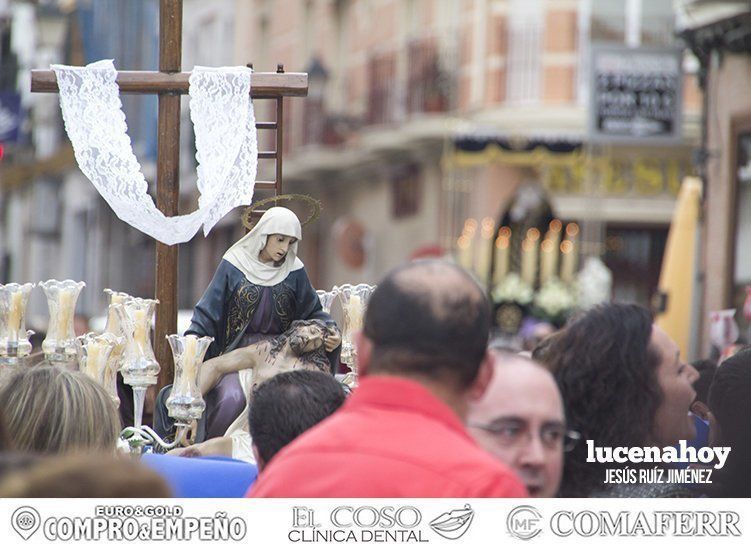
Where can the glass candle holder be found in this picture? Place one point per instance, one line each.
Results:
(139, 366)
(354, 301)
(113, 321)
(96, 360)
(14, 338)
(59, 345)
(113, 325)
(185, 402)
(327, 298)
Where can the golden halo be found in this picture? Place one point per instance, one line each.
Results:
(314, 204)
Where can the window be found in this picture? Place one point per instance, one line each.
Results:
(406, 191)
(634, 22)
(524, 50)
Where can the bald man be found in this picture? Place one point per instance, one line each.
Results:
(520, 421)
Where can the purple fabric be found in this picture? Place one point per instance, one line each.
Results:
(265, 320)
(226, 401)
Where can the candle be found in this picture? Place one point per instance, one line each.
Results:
(502, 244)
(570, 250)
(464, 251)
(354, 313)
(140, 333)
(529, 261)
(93, 360)
(64, 312)
(548, 251)
(189, 355)
(486, 250)
(14, 314)
(554, 235)
(568, 267)
(471, 246)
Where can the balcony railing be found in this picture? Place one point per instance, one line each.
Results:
(426, 86)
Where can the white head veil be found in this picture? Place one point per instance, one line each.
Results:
(244, 254)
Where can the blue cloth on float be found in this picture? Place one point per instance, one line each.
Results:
(203, 477)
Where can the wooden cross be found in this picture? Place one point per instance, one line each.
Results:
(169, 83)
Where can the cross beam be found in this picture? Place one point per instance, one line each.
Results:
(169, 83)
(265, 84)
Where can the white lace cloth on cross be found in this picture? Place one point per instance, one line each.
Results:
(226, 143)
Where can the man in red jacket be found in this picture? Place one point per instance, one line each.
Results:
(421, 358)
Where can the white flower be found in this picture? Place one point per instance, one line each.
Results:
(513, 289)
(555, 298)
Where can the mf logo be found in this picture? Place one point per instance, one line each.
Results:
(524, 522)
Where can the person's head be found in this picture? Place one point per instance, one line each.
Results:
(520, 421)
(50, 410)
(85, 476)
(706, 370)
(5, 442)
(305, 341)
(276, 248)
(287, 405)
(428, 320)
(309, 335)
(623, 384)
(279, 230)
(729, 406)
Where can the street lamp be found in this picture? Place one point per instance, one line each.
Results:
(314, 113)
(317, 78)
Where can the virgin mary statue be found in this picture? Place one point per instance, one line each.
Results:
(258, 290)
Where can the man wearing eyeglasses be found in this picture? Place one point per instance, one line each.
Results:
(520, 420)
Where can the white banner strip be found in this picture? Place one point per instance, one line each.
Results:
(284, 521)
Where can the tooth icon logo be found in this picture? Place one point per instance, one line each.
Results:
(25, 521)
(452, 525)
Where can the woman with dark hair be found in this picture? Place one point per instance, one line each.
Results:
(729, 406)
(623, 384)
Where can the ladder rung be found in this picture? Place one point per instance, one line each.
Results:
(265, 185)
(267, 154)
(266, 125)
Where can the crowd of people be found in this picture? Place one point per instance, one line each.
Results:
(436, 413)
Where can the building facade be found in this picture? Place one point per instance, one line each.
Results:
(719, 34)
(423, 114)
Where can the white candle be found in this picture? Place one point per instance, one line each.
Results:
(354, 313)
(140, 333)
(486, 250)
(464, 252)
(93, 360)
(501, 258)
(14, 314)
(554, 235)
(547, 252)
(529, 257)
(568, 266)
(190, 365)
(64, 312)
(570, 250)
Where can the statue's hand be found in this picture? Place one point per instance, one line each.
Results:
(332, 341)
(190, 451)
